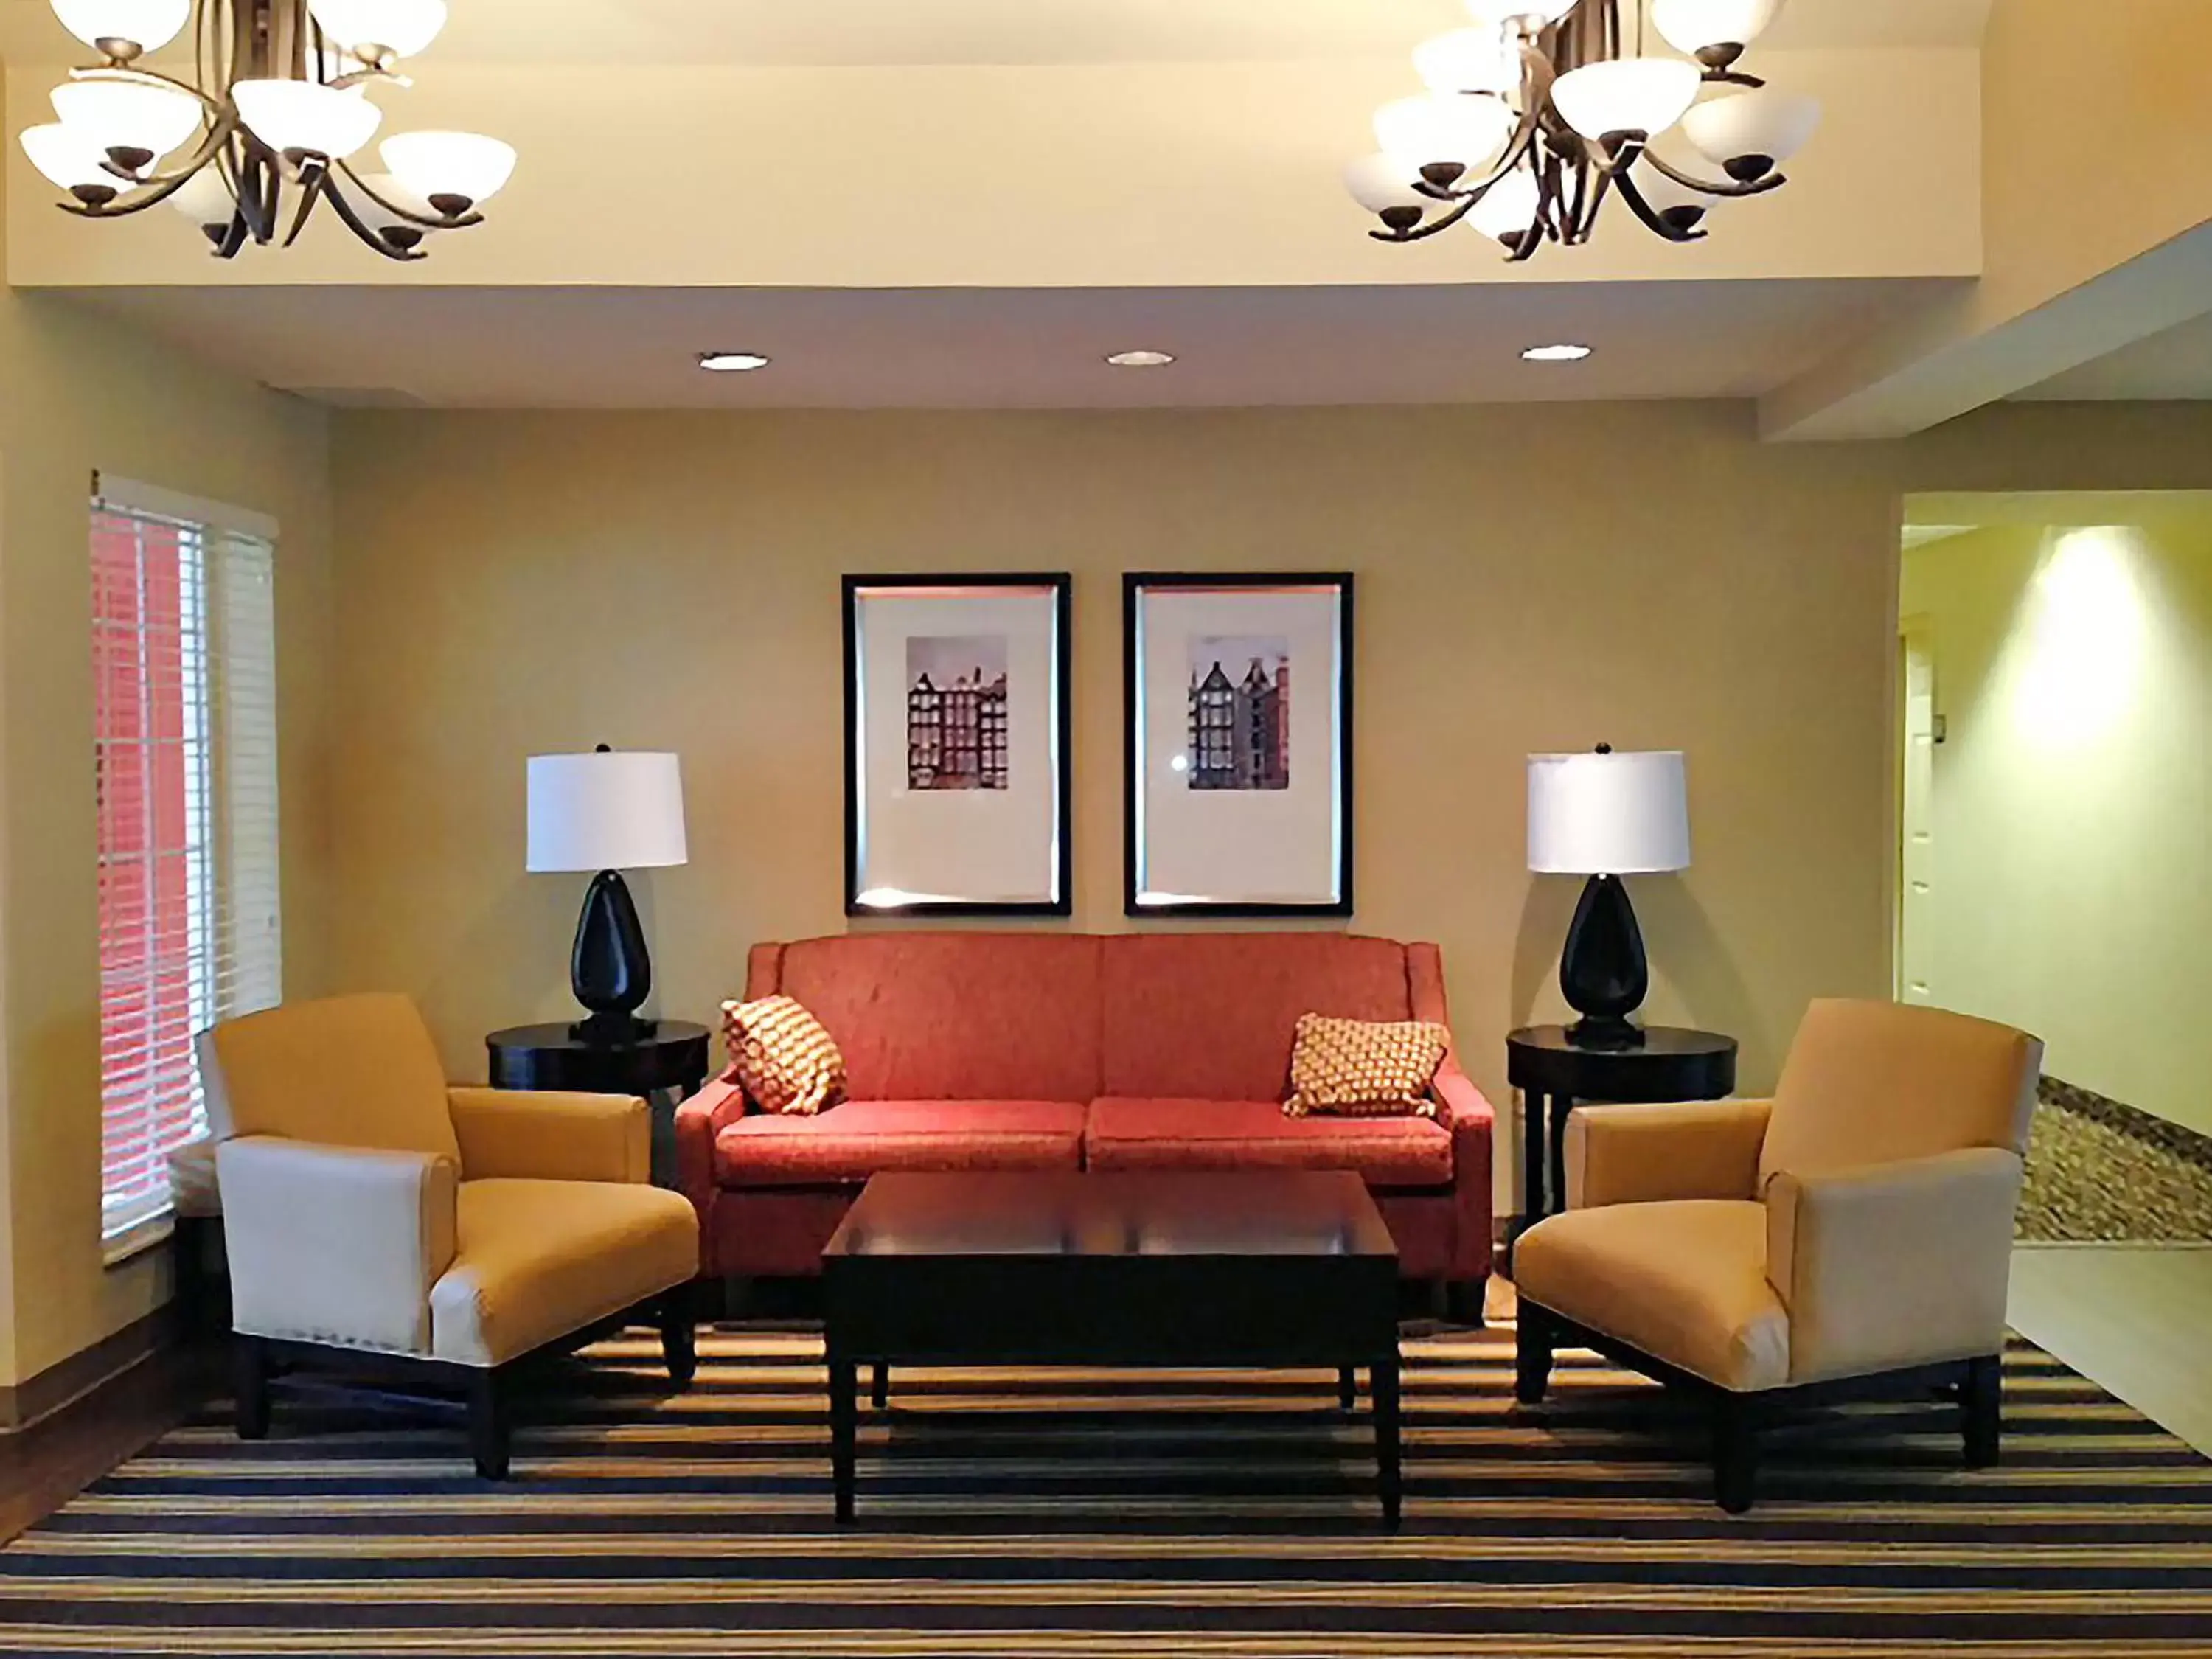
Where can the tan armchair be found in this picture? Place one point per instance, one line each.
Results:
(370, 1209)
(1852, 1236)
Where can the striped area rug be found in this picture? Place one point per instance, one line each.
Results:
(1101, 1515)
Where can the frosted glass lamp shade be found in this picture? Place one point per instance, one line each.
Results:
(128, 115)
(1750, 133)
(1609, 815)
(1443, 129)
(150, 24)
(444, 167)
(1677, 203)
(1509, 207)
(68, 158)
(1546, 12)
(403, 27)
(1468, 60)
(1378, 184)
(1692, 26)
(606, 811)
(1626, 96)
(304, 116)
(205, 200)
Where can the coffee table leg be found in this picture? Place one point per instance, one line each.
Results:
(1348, 1387)
(844, 1385)
(1383, 1382)
(880, 1395)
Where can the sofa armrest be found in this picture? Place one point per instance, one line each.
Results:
(544, 1135)
(1462, 1110)
(1894, 1264)
(1654, 1154)
(335, 1244)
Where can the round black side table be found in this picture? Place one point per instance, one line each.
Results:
(1554, 1074)
(673, 1058)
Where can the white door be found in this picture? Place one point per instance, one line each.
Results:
(1916, 944)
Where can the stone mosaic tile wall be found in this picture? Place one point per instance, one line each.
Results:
(2101, 1171)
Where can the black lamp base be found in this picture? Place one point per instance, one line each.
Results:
(1603, 972)
(610, 969)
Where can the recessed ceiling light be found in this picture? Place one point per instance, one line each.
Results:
(732, 363)
(1142, 358)
(1555, 353)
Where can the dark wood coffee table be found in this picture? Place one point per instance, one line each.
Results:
(1280, 1271)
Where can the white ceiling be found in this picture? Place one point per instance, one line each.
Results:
(2174, 366)
(894, 32)
(1037, 349)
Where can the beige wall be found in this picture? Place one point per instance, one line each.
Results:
(1531, 579)
(2073, 878)
(74, 398)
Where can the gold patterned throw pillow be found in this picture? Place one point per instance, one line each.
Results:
(788, 1063)
(1365, 1069)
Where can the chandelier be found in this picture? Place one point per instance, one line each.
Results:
(267, 126)
(1547, 109)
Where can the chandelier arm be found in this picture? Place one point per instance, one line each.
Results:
(1652, 222)
(314, 173)
(1435, 228)
(1756, 187)
(267, 186)
(460, 223)
(360, 227)
(234, 238)
(1590, 204)
(210, 147)
(139, 78)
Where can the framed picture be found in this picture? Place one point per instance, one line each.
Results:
(957, 740)
(1237, 701)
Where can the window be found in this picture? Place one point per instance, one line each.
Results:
(184, 767)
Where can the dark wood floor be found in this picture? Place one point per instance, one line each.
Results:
(46, 1466)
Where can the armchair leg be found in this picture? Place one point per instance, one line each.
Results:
(489, 1432)
(1735, 1453)
(1348, 1387)
(1981, 1410)
(678, 1336)
(250, 1387)
(1533, 1355)
(879, 1391)
(1467, 1301)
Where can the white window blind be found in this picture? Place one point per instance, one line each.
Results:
(184, 650)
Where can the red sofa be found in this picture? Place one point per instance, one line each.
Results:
(1032, 1051)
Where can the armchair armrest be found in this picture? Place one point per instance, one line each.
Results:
(1462, 1110)
(335, 1244)
(542, 1135)
(698, 1121)
(1895, 1265)
(1654, 1154)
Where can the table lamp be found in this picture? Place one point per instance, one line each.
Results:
(1606, 816)
(607, 812)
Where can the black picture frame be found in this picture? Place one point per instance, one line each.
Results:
(1135, 585)
(1062, 585)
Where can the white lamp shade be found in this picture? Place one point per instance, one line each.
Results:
(606, 811)
(128, 114)
(1760, 122)
(1441, 128)
(1509, 207)
(1692, 25)
(1468, 60)
(378, 217)
(1626, 94)
(304, 115)
(402, 27)
(205, 200)
(1609, 815)
(1546, 12)
(1663, 194)
(1377, 183)
(148, 24)
(68, 158)
(463, 164)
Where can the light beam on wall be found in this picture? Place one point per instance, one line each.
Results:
(2087, 628)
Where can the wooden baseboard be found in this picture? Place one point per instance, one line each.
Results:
(30, 1403)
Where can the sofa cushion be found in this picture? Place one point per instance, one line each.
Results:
(950, 1015)
(1128, 1134)
(1212, 1016)
(863, 1138)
